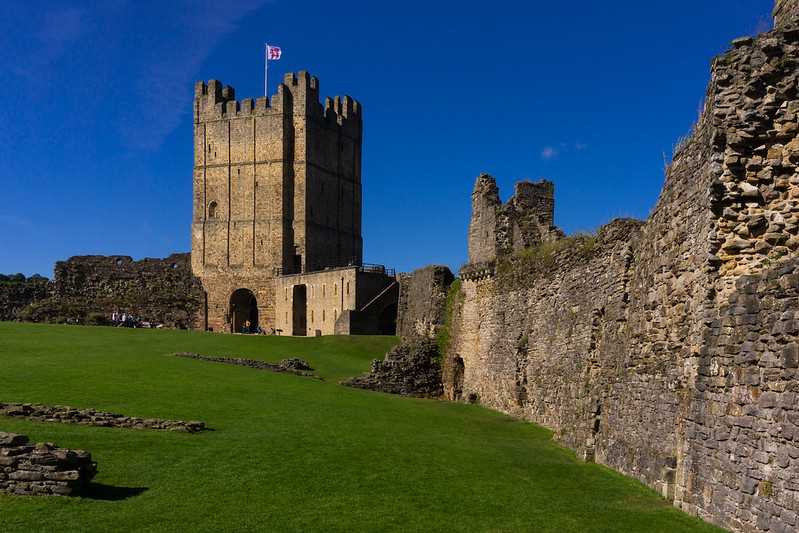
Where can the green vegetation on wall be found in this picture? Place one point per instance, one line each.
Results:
(453, 301)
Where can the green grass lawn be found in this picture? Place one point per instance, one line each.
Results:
(290, 453)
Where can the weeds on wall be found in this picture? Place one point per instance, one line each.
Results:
(444, 333)
(544, 256)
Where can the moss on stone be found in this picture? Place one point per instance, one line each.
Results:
(453, 300)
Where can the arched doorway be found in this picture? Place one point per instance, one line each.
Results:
(243, 309)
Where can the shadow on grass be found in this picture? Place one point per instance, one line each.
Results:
(109, 493)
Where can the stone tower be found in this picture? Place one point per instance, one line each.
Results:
(483, 224)
(277, 190)
(525, 220)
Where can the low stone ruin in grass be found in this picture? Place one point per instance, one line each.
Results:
(293, 365)
(42, 469)
(411, 368)
(92, 417)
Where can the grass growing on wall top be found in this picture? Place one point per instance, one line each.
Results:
(544, 255)
(289, 453)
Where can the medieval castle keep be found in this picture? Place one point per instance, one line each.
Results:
(276, 230)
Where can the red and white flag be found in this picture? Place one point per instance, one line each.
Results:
(273, 53)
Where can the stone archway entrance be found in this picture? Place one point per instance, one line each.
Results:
(243, 309)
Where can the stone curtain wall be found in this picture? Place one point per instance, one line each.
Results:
(423, 301)
(17, 292)
(42, 469)
(741, 416)
(669, 350)
(785, 12)
(530, 335)
(161, 291)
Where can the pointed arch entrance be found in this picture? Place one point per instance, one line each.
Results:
(243, 310)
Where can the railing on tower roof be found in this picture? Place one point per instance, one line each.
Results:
(371, 268)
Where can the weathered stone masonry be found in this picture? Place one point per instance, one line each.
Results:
(161, 291)
(669, 349)
(42, 469)
(87, 289)
(17, 292)
(422, 301)
(92, 417)
(277, 205)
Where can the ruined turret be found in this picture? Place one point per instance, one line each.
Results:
(483, 224)
(525, 220)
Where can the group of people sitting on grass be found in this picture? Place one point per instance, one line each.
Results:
(249, 329)
(128, 320)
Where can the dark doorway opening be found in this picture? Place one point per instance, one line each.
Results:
(243, 311)
(387, 321)
(457, 378)
(299, 306)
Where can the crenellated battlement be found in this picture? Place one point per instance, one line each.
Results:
(297, 94)
(216, 101)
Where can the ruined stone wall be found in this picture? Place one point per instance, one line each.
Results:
(483, 224)
(161, 291)
(17, 292)
(42, 469)
(785, 12)
(423, 301)
(528, 335)
(741, 412)
(526, 219)
(668, 350)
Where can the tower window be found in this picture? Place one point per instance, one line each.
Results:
(212, 210)
(348, 288)
(323, 315)
(323, 291)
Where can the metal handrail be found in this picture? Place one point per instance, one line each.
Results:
(362, 267)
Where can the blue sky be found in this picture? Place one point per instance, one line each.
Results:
(95, 142)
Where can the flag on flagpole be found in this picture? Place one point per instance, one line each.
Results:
(273, 53)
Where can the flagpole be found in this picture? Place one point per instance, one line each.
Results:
(266, 70)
